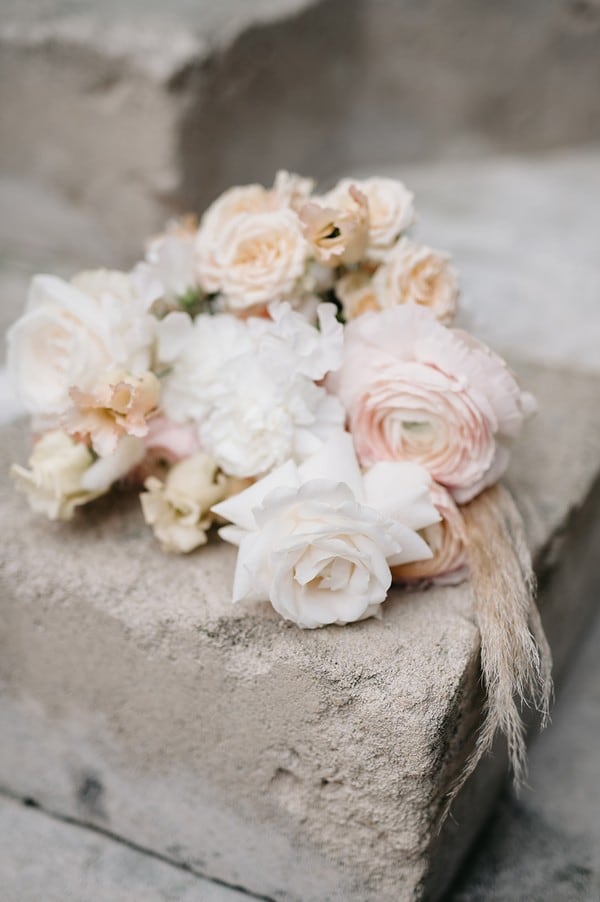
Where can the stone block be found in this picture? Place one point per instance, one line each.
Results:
(299, 765)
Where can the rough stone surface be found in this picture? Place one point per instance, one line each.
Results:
(546, 845)
(45, 858)
(138, 109)
(301, 765)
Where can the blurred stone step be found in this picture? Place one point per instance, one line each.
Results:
(300, 765)
(42, 858)
(137, 109)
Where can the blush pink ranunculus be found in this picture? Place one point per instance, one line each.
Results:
(415, 390)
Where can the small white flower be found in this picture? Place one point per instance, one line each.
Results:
(169, 271)
(72, 333)
(63, 474)
(318, 540)
(178, 509)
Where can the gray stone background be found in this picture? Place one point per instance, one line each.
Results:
(115, 115)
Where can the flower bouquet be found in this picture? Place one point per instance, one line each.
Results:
(286, 371)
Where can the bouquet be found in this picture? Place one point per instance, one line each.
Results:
(286, 371)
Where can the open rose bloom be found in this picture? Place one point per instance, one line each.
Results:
(282, 370)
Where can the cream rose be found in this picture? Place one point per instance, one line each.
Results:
(448, 542)
(415, 390)
(313, 542)
(64, 475)
(71, 334)
(257, 258)
(178, 509)
(356, 292)
(415, 274)
(390, 206)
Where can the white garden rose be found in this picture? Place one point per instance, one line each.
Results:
(64, 475)
(416, 274)
(312, 542)
(256, 258)
(72, 333)
(391, 210)
(168, 272)
(178, 509)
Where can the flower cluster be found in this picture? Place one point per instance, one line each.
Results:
(286, 368)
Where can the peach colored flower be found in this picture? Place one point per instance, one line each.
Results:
(292, 190)
(257, 258)
(390, 206)
(178, 509)
(416, 390)
(416, 274)
(356, 292)
(119, 405)
(337, 235)
(448, 542)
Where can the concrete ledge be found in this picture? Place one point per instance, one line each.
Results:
(300, 765)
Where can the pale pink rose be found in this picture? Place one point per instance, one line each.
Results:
(390, 206)
(337, 235)
(415, 390)
(119, 405)
(448, 542)
(416, 274)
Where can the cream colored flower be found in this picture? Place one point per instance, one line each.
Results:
(391, 210)
(178, 509)
(416, 274)
(448, 542)
(216, 219)
(120, 404)
(72, 333)
(65, 474)
(292, 190)
(318, 540)
(258, 258)
(357, 293)
(337, 234)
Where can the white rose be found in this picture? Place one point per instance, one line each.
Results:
(72, 333)
(256, 258)
(311, 541)
(416, 274)
(178, 509)
(391, 210)
(63, 474)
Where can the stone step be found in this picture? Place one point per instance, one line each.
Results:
(301, 765)
(306, 766)
(42, 858)
(135, 110)
(545, 845)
